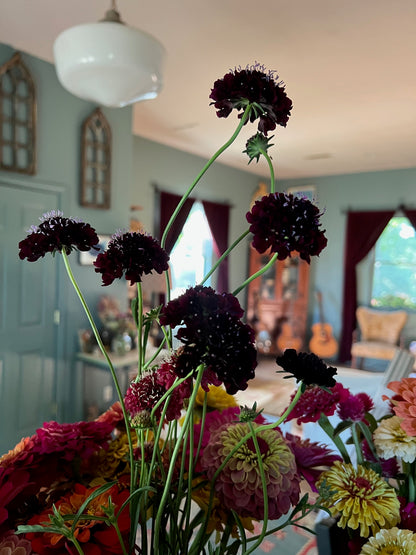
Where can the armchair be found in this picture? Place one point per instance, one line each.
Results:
(378, 335)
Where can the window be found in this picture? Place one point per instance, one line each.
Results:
(394, 278)
(192, 255)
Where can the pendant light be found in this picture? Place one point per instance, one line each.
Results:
(108, 62)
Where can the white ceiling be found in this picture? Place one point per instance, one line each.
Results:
(349, 68)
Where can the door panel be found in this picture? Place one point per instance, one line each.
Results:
(28, 336)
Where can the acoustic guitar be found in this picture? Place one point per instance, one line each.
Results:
(287, 339)
(322, 343)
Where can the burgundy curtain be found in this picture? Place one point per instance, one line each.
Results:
(411, 214)
(363, 230)
(168, 203)
(218, 216)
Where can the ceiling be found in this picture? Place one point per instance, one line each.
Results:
(349, 68)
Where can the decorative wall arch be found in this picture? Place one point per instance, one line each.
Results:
(17, 117)
(96, 162)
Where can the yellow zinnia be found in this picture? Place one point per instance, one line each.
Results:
(391, 542)
(363, 499)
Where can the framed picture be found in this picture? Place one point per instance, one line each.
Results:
(307, 191)
(87, 258)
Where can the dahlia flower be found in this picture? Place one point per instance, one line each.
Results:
(238, 485)
(392, 541)
(391, 440)
(307, 368)
(404, 405)
(55, 234)
(132, 254)
(316, 401)
(363, 499)
(285, 223)
(252, 85)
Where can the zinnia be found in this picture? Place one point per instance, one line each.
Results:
(391, 440)
(238, 485)
(404, 405)
(391, 542)
(363, 499)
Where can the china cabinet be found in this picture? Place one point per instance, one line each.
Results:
(277, 303)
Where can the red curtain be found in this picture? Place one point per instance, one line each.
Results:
(168, 203)
(218, 216)
(363, 230)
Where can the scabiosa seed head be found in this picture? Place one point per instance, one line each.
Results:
(257, 87)
(132, 254)
(285, 223)
(256, 146)
(56, 234)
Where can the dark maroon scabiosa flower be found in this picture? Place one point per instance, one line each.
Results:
(132, 254)
(355, 407)
(212, 334)
(55, 234)
(311, 458)
(258, 87)
(315, 401)
(307, 368)
(143, 395)
(284, 223)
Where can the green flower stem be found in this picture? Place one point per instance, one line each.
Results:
(77, 545)
(104, 352)
(233, 137)
(178, 446)
(256, 274)
(264, 486)
(224, 255)
(272, 179)
(357, 443)
(329, 430)
(140, 350)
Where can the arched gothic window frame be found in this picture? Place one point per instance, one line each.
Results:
(17, 117)
(95, 191)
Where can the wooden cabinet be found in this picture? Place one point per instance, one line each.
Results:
(277, 303)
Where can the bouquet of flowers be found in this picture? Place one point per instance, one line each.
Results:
(175, 466)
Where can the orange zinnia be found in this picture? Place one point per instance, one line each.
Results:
(405, 405)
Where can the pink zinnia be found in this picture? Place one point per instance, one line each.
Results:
(405, 405)
(314, 401)
(238, 485)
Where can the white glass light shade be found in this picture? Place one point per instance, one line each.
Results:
(109, 63)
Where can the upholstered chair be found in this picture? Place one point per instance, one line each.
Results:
(378, 336)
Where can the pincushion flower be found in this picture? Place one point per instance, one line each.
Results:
(239, 485)
(307, 368)
(404, 407)
(315, 401)
(284, 223)
(392, 441)
(363, 499)
(253, 85)
(212, 334)
(55, 234)
(131, 254)
(391, 541)
(355, 407)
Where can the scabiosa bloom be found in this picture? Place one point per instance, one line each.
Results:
(311, 458)
(213, 335)
(55, 234)
(363, 499)
(132, 254)
(307, 368)
(355, 407)
(315, 401)
(253, 85)
(284, 223)
(239, 485)
(404, 406)
(143, 395)
(391, 440)
(391, 541)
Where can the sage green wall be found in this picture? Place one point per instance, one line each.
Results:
(174, 171)
(336, 195)
(59, 119)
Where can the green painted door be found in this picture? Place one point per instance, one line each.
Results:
(28, 335)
